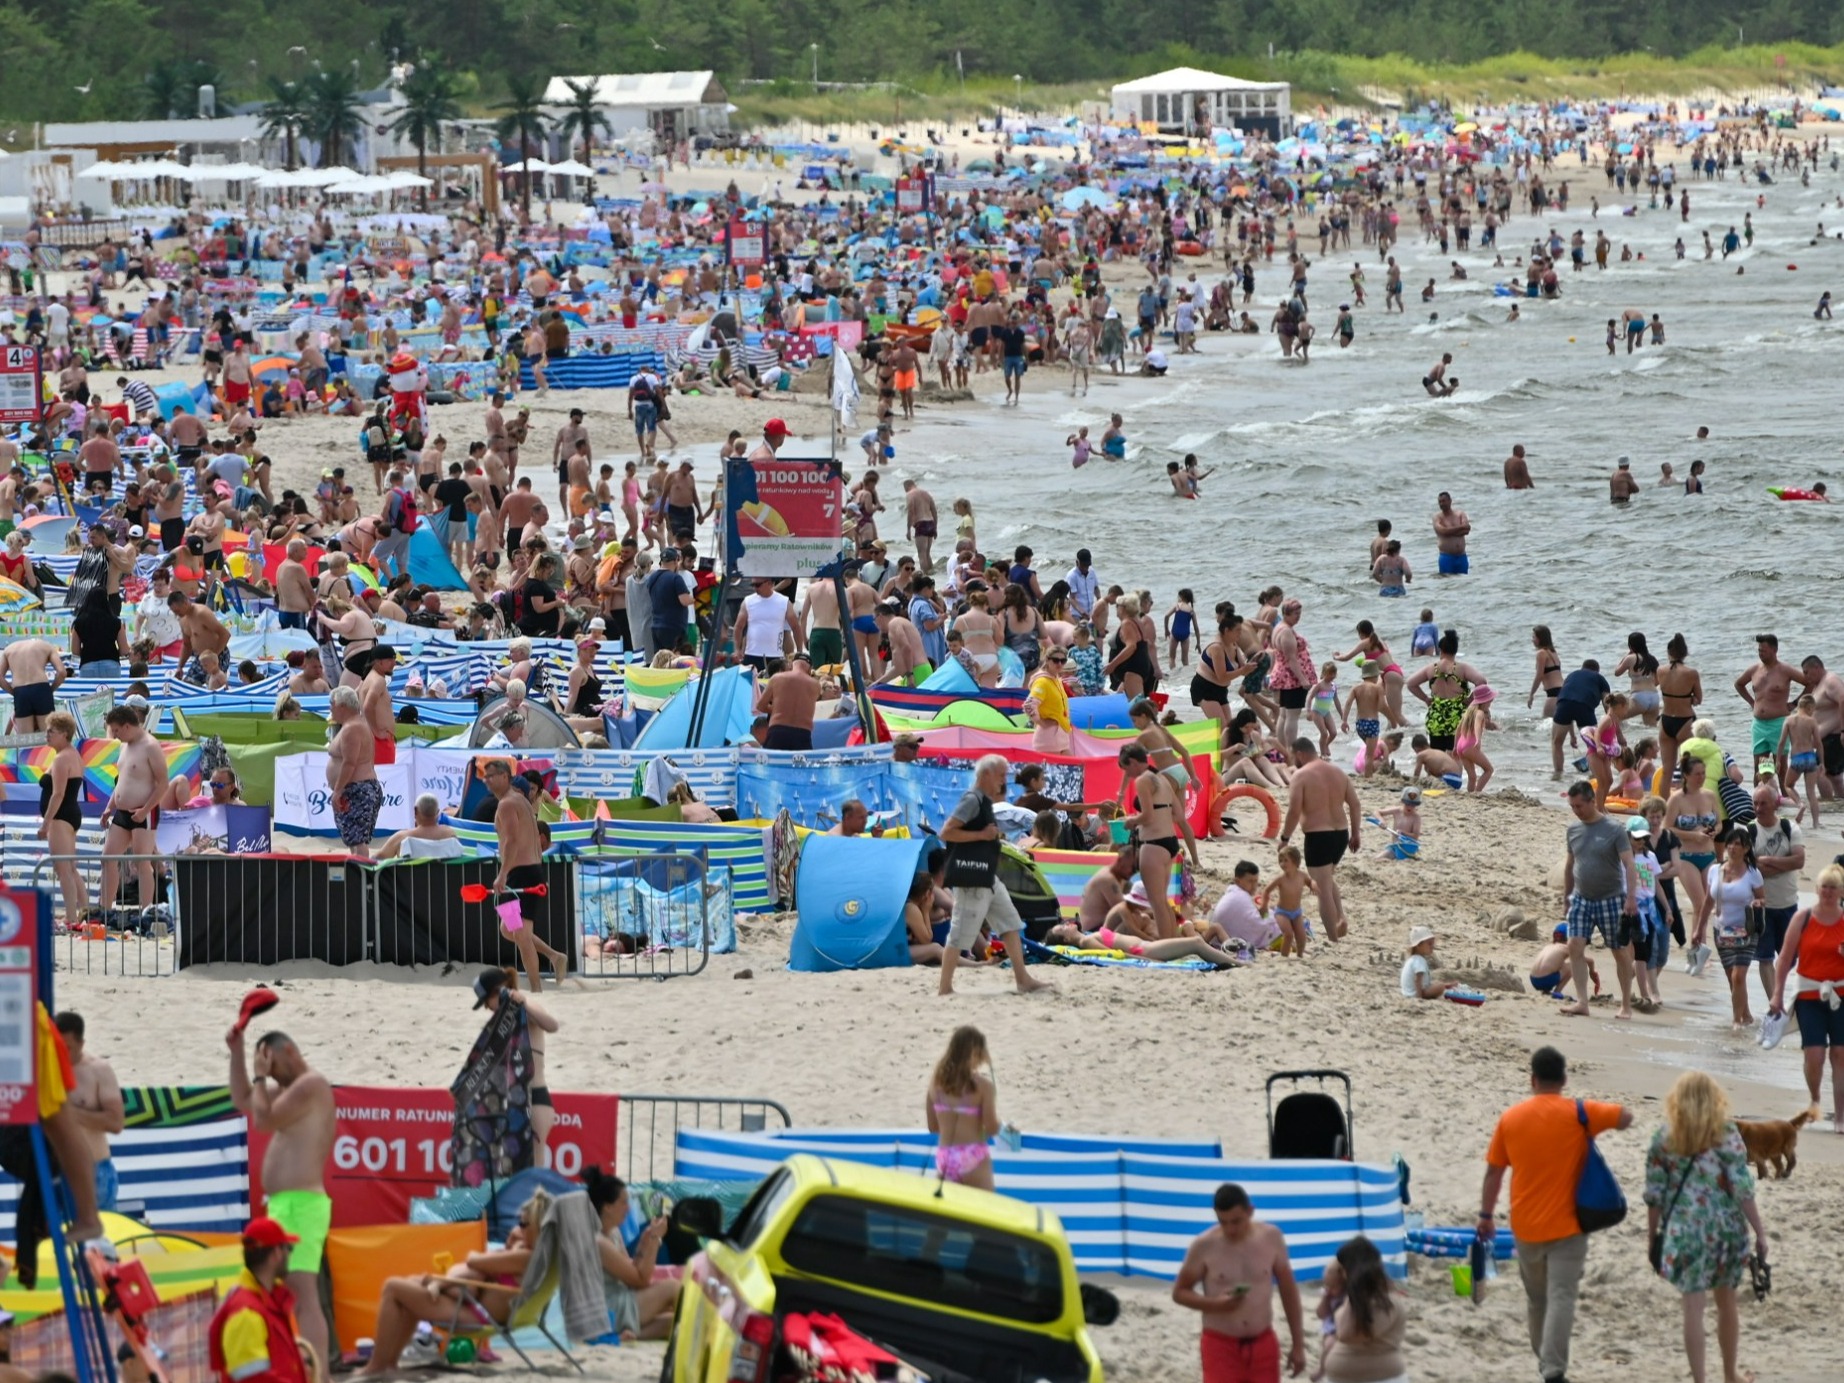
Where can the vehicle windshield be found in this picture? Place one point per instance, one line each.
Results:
(933, 1258)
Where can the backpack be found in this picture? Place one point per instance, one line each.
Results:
(400, 511)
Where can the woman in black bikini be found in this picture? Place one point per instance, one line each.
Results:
(1217, 665)
(61, 813)
(1681, 688)
(1157, 823)
(1548, 678)
(1130, 666)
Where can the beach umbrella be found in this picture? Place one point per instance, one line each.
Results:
(1078, 197)
(49, 530)
(573, 168)
(1465, 127)
(15, 598)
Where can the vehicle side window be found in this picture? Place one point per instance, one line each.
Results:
(759, 1210)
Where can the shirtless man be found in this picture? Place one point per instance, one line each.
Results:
(95, 1105)
(908, 366)
(102, 460)
(564, 447)
(1517, 470)
(1322, 803)
(169, 508)
(9, 487)
(1766, 686)
(352, 774)
(920, 523)
(906, 655)
(519, 509)
(789, 699)
(499, 445)
(310, 678)
(375, 702)
(200, 630)
(1622, 485)
(236, 397)
(1436, 382)
(140, 781)
(294, 588)
(1106, 890)
(860, 608)
(819, 613)
(1229, 1274)
(1827, 689)
(22, 674)
(293, 1103)
(682, 504)
(1450, 529)
(519, 853)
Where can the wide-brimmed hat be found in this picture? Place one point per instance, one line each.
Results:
(1417, 935)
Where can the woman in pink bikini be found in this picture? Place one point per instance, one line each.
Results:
(963, 1110)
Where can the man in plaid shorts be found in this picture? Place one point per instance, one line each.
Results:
(1602, 887)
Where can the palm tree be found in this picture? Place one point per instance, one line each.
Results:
(429, 102)
(161, 91)
(335, 114)
(523, 120)
(284, 115)
(583, 115)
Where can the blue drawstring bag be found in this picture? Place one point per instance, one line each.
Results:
(1599, 1201)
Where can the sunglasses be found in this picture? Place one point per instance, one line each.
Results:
(1059, 660)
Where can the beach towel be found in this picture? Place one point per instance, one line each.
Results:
(493, 1137)
(567, 1238)
(1118, 960)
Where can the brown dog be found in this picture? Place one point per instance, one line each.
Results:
(1773, 1140)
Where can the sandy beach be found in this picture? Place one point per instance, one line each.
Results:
(1152, 1055)
(1159, 1055)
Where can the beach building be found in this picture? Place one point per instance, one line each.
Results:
(673, 105)
(1188, 101)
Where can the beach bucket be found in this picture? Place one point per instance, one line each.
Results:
(509, 914)
(1404, 849)
(1119, 831)
(1462, 1275)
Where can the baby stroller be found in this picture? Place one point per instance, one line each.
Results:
(1309, 1123)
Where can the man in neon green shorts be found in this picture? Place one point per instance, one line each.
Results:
(292, 1103)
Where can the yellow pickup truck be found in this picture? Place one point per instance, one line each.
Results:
(962, 1284)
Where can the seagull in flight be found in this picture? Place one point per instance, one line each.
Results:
(84, 90)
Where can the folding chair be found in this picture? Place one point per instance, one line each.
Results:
(527, 1311)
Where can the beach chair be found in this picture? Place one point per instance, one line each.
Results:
(527, 1312)
(1309, 1124)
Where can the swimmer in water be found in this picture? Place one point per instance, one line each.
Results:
(1436, 382)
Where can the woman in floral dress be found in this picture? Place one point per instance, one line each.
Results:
(1700, 1196)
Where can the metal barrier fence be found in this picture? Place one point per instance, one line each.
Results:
(647, 1126)
(119, 938)
(614, 913)
(643, 915)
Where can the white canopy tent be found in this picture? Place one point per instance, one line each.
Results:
(1190, 101)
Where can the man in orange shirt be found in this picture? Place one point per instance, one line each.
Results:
(1542, 1142)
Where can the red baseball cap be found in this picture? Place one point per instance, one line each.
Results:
(265, 1233)
(774, 427)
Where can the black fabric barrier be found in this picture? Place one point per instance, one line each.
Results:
(419, 918)
(262, 910)
(265, 909)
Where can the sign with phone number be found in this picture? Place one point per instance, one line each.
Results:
(22, 398)
(391, 1145)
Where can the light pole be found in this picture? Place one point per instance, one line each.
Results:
(814, 49)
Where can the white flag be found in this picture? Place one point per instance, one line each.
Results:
(844, 386)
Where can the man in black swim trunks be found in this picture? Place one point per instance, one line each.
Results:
(789, 698)
(520, 852)
(1827, 689)
(1322, 801)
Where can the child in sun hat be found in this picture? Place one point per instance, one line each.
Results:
(1418, 980)
(1469, 738)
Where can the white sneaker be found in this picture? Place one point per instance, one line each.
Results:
(1700, 958)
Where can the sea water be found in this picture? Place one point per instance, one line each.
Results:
(1307, 458)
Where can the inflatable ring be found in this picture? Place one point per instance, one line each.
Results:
(1261, 795)
(1621, 804)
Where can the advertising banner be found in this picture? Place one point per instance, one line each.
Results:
(784, 516)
